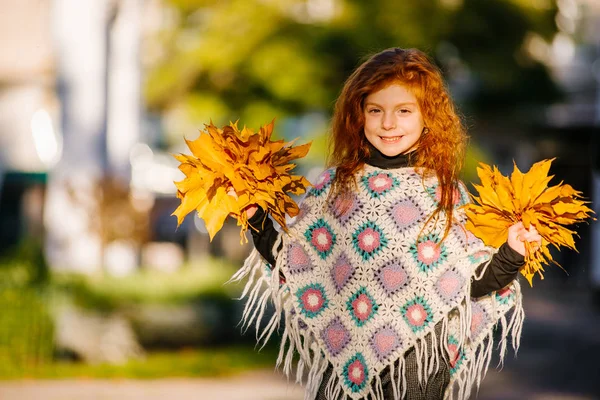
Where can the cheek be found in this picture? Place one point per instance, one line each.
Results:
(416, 125)
(370, 125)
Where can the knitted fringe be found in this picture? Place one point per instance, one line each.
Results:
(260, 287)
(479, 359)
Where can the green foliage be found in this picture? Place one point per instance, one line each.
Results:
(474, 156)
(489, 36)
(24, 265)
(28, 295)
(256, 60)
(108, 293)
(186, 363)
(26, 329)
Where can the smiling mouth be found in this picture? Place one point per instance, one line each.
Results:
(392, 139)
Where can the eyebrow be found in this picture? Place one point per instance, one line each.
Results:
(407, 103)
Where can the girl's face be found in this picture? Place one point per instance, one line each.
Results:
(393, 120)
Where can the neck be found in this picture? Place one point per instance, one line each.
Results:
(380, 160)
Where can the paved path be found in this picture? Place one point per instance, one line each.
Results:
(558, 360)
(263, 385)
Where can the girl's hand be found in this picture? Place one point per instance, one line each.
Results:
(250, 210)
(518, 235)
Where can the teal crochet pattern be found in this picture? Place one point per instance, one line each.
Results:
(368, 277)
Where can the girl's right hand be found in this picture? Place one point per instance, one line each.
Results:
(250, 210)
(518, 235)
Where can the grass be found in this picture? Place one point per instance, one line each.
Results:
(191, 363)
(105, 292)
(21, 337)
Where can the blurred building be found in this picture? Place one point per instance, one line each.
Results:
(81, 163)
(70, 115)
(29, 138)
(569, 129)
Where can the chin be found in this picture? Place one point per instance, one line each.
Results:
(389, 152)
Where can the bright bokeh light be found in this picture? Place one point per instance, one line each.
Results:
(563, 49)
(568, 8)
(45, 139)
(153, 172)
(537, 48)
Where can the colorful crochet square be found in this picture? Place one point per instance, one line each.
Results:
(379, 183)
(298, 259)
(362, 306)
(479, 319)
(455, 354)
(321, 237)
(428, 252)
(368, 240)
(465, 237)
(335, 336)
(303, 211)
(479, 257)
(458, 198)
(384, 342)
(392, 277)
(356, 373)
(312, 300)
(450, 285)
(341, 272)
(323, 182)
(344, 208)
(464, 196)
(301, 324)
(406, 214)
(504, 296)
(417, 314)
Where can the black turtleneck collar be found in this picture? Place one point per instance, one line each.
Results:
(379, 160)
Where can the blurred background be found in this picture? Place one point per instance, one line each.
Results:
(103, 297)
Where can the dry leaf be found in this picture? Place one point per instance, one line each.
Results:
(502, 202)
(257, 168)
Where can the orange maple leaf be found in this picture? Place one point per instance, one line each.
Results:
(257, 169)
(502, 202)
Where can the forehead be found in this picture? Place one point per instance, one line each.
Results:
(392, 93)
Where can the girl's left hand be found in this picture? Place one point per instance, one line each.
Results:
(250, 210)
(518, 235)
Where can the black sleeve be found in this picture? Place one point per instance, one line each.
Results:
(502, 270)
(264, 234)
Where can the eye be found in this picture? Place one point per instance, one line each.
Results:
(373, 110)
(404, 111)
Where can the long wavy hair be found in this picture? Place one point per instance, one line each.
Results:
(442, 144)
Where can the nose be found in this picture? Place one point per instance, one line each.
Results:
(388, 122)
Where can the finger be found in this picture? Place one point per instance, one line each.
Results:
(232, 192)
(533, 230)
(522, 234)
(533, 238)
(516, 228)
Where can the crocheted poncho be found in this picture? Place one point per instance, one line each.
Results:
(367, 278)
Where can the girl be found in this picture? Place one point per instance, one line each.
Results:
(385, 294)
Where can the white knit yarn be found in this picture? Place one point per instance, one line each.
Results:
(365, 286)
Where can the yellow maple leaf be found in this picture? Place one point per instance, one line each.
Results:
(257, 169)
(503, 201)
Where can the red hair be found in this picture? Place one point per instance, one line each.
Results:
(440, 149)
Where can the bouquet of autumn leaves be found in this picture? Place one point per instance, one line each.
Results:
(503, 202)
(256, 168)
